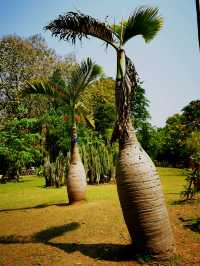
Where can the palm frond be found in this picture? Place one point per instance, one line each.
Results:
(90, 71)
(145, 21)
(75, 25)
(89, 120)
(117, 29)
(85, 113)
(84, 74)
(44, 87)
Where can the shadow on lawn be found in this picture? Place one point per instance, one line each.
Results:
(181, 201)
(192, 224)
(110, 252)
(36, 207)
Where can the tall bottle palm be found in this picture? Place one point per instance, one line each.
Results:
(138, 183)
(69, 92)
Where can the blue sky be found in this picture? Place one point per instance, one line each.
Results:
(169, 65)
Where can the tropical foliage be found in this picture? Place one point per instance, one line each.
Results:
(167, 146)
(21, 60)
(19, 147)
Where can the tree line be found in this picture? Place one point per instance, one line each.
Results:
(36, 125)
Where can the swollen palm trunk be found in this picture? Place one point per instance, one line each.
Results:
(138, 183)
(142, 200)
(76, 178)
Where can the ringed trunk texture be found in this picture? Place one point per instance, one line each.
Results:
(76, 178)
(139, 187)
(142, 200)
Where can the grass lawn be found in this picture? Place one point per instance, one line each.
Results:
(38, 228)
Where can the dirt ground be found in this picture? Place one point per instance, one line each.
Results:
(86, 234)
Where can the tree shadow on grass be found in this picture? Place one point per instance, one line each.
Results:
(192, 224)
(40, 206)
(186, 201)
(102, 251)
(43, 236)
(46, 235)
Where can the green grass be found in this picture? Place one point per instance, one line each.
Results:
(30, 191)
(172, 179)
(35, 233)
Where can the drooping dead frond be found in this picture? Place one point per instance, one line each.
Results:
(126, 89)
(73, 26)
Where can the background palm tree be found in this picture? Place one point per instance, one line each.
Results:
(69, 93)
(138, 184)
(198, 19)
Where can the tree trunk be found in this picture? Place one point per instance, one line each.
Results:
(47, 170)
(76, 178)
(138, 183)
(142, 200)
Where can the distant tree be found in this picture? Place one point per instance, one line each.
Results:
(68, 91)
(19, 146)
(140, 115)
(192, 187)
(156, 145)
(174, 150)
(139, 108)
(101, 98)
(191, 116)
(104, 115)
(20, 60)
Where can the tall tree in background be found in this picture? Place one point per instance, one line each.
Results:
(144, 208)
(170, 142)
(198, 19)
(139, 108)
(21, 60)
(140, 114)
(191, 116)
(69, 92)
(19, 146)
(175, 151)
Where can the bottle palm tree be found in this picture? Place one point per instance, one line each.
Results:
(138, 183)
(69, 92)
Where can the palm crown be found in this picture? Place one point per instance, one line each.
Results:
(69, 91)
(144, 21)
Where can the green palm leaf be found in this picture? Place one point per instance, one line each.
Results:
(84, 74)
(117, 29)
(81, 109)
(145, 21)
(81, 77)
(70, 90)
(45, 87)
(73, 26)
